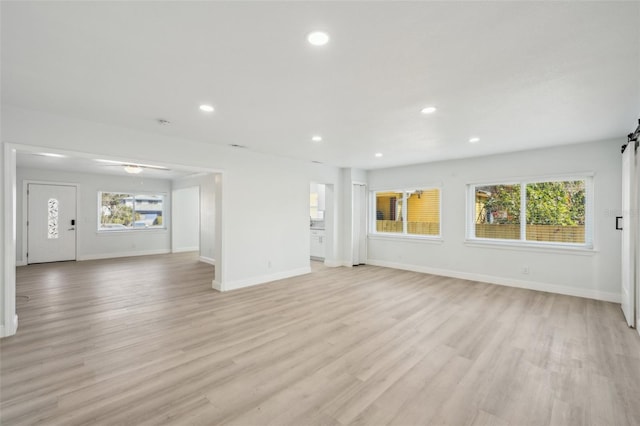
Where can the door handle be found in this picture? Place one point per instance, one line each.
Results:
(71, 229)
(618, 227)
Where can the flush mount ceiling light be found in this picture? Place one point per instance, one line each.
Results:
(378, 154)
(428, 110)
(132, 169)
(206, 108)
(316, 138)
(122, 163)
(318, 38)
(100, 160)
(51, 154)
(474, 140)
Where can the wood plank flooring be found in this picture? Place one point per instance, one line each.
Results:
(145, 341)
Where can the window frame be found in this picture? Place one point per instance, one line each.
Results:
(373, 232)
(588, 244)
(158, 228)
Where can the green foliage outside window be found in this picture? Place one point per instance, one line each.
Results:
(114, 209)
(548, 203)
(556, 203)
(122, 211)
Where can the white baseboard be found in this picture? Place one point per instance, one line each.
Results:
(216, 285)
(21, 263)
(9, 329)
(208, 260)
(122, 254)
(234, 285)
(509, 282)
(184, 249)
(333, 263)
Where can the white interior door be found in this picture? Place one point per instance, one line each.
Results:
(636, 220)
(359, 237)
(628, 233)
(51, 223)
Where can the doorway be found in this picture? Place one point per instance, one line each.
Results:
(317, 223)
(323, 242)
(51, 223)
(80, 162)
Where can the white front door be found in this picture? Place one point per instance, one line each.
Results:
(628, 233)
(51, 223)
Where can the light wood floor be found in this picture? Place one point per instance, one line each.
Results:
(146, 341)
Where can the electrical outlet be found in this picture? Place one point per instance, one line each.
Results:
(525, 270)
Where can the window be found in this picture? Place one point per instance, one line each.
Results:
(497, 211)
(52, 219)
(121, 211)
(408, 212)
(554, 211)
(314, 213)
(316, 201)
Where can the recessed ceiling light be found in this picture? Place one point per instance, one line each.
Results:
(318, 38)
(378, 154)
(428, 110)
(51, 154)
(316, 138)
(206, 108)
(474, 139)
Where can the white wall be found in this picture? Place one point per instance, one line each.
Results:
(91, 244)
(207, 186)
(208, 222)
(209, 212)
(595, 275)
(185, 219)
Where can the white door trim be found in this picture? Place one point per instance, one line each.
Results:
(330, 249)
(25, 213)
(359, 226)
(10, 320)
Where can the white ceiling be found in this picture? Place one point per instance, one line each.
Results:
(37, 160)
(518, 75)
